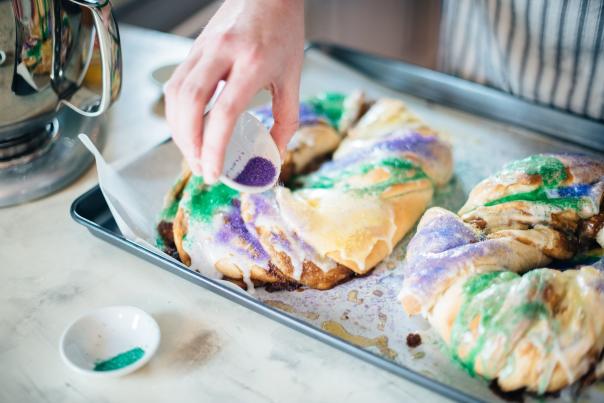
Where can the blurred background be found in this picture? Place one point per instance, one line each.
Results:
(403, 29)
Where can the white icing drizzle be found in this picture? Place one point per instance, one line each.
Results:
(300, 139)
(196, 243)
(385, 116)
(331, 220)
(273, 222)
(206, 252)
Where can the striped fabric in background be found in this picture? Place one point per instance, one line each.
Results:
(547, 51)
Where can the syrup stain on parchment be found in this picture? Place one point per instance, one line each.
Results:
(381, 342)
(353, 296)
(382, 319)
(290, 309)
(419, 355)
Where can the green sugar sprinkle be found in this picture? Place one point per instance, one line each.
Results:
(532, 310)
(205, 200)
(551, 170)
(486, 308)
(401, 170)
(120, 361)
(159, 242)
(169, 212)
(329, 104)
(496, 301)
(319, 182)
(479, 283)
(539, 195)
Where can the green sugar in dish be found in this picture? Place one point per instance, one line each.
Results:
(120, 361)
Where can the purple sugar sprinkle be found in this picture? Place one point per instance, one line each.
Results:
(262, 206)
(305, 246)
(426, 272)
(281, 241)
(257, 172)
(396, 142)
(307, 114)
(234, 226)
(413, 142)
(442, 233)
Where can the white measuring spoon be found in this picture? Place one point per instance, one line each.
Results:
(252, 162)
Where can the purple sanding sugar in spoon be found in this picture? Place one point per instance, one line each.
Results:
(257, 172)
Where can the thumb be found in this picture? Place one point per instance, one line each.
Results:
(286, 106)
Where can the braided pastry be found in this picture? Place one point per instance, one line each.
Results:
(328, 225)
(541, 330)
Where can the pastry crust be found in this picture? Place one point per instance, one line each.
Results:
(180, 230)
(312, 276)
(407, 208)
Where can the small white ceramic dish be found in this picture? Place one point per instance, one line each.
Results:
(108, 342)
(162, 74)
(251, 142)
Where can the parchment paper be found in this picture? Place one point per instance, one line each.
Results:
(363, 311)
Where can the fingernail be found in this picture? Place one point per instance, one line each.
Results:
(197, 170)
(195, 167)
(210, 176)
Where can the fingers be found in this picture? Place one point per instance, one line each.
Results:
(173, 85)
(286, 107)
(194, 94)
(187, 94)
(240, 88)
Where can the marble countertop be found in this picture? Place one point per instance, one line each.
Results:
(52, 270)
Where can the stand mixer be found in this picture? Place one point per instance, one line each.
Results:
(46, 51)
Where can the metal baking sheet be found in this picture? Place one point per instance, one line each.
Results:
(471, 97)
(363, 317)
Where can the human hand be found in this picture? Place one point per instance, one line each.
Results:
(252, 45)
